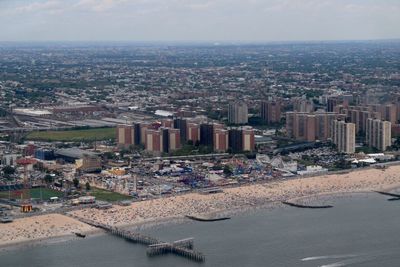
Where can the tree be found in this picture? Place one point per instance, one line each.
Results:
(48, 179)
(227, 170)
(109, 155)
(123, 151)
(76, 182)
(87, 185)
(396, 143)
(250, 155)
(8, 171)
(343, 164)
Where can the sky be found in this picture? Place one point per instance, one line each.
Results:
(198, 20)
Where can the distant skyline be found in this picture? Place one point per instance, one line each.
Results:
(198, 20)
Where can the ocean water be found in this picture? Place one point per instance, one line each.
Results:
(361, 230)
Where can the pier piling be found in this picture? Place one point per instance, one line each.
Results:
(183, 247)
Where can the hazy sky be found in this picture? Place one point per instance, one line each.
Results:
(198, 20)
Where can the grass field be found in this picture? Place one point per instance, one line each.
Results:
(73, 135)
(104, 195)
(35, 193)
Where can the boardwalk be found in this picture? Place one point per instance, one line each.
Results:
(156, 247)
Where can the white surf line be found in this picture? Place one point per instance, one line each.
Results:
(348, 262)
(329, 257)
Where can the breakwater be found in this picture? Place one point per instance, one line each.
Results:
(206, 219)
(307, 206)
(388, 194)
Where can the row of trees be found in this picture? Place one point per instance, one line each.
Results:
(76, 183)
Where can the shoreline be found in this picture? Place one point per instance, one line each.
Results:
(233, 201)
(45, 241)
(155, 223)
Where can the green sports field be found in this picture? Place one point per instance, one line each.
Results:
(35, 193)
(73, 135)
(104, 195)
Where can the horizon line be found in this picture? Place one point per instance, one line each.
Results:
(214, 42)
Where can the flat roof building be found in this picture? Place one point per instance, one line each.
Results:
(344, 136)
(271, 111)
(125, 135)
(310, 126)
(193, 132)
(238, 113)
(378, 134)
(221, 140)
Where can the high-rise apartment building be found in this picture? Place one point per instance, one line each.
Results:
(162, 140)
(170, 139)
(310, 126)
(154, 141)
(125, 135)
(174, 139)
(248, 143)
(389, 113)
(235, 140)
(332, 102)
(221, 140)
(168, 123)
(193, 132)
(360, 114)
(241, 139)
(182, 125)
(136, 127)
(271, 111)
(344, 136)
(142, 137)
(238, 113)
(302, 105)
(378, 134)
(339, 100)
(207, 134)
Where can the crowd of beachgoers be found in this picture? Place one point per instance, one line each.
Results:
(236, 198)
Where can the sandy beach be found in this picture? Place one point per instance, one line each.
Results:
(246, 196)
(238, 198)
(40, 228)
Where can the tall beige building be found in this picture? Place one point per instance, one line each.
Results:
(378, 134)
(360, 114)
(125, 135)
(389, 113)
(162, 140)
(248, 139)
(344, 136)
(271, 111)
(238, 113)
(221, 139)
(302, 105)
(310, 126)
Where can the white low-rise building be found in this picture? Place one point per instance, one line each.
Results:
(313, 170)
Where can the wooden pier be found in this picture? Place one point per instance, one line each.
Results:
(182, 247)
(156, 247)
